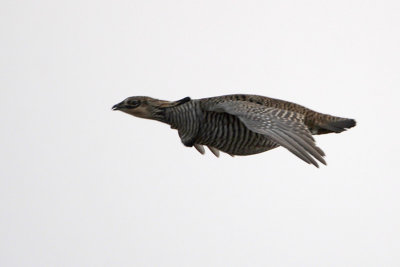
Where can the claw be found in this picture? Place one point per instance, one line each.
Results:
(214, 151)
(200, 148)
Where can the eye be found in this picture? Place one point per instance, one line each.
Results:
(133, 103)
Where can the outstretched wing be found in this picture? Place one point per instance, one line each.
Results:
(284, 127)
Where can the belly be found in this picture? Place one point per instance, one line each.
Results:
(228, 134)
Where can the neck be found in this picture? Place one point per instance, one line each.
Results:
(159, 114)
(163, 109)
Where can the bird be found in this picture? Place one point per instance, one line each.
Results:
(241, 124)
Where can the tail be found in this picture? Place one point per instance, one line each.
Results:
(323, 124)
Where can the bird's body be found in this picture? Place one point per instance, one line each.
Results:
(198, 126)
(241, 124)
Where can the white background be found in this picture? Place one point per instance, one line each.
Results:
(81, 185)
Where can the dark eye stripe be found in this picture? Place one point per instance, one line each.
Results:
(133, 103)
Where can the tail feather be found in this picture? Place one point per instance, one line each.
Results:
(323, 124)
(339, 125)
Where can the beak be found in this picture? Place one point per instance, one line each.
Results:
(118, 106)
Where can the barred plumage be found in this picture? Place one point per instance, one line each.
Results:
(241, 124)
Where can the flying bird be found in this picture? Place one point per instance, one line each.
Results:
(240, 124)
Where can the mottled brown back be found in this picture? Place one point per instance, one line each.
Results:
(317, 123)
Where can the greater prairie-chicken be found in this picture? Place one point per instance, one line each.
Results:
(240, 124)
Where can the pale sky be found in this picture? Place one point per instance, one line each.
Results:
(81, 185)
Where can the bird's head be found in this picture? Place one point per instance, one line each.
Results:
(146, 107)
(139, 106)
